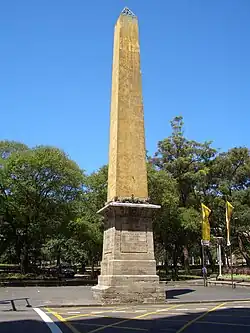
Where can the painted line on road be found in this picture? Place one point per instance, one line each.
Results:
(48, 321)
(118, 311)
(92, 314)
(140, 311)
(130, 319)
(238, 307)
(199, 317)
(122, 327)
(60, 318)
(156, 312)
(103, 327)
(226, 324)
(74, 330)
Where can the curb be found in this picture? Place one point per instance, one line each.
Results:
(144, 304)
(48, 283)
(210, 301)
(226, 284)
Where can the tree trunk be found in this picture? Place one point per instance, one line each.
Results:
(92, 269)
(175, 264)
(223, 258)
(166, 263)
(228, 266)
(243, 251)
(24, 260)
(58, 257)
(186, 260)
(210, 260)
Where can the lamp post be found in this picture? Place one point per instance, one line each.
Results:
(219, 242)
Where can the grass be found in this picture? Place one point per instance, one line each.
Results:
(242, 277)
(17, 276)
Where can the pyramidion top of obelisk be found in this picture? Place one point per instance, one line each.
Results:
(127, 12)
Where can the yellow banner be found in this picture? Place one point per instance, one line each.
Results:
(205, 223)
(229, 212)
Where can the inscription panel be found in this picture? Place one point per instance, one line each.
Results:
(108, 241)
(134, 237)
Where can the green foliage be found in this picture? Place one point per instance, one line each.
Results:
(41, 187)
(188, 165)
(48, 206)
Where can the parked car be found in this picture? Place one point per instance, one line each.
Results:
(63, 271)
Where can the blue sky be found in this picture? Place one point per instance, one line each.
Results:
(55, 72)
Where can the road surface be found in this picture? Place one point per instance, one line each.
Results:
(169, 318)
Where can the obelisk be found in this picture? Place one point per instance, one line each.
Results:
(128, 268)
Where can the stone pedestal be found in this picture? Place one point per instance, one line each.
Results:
(128, 268)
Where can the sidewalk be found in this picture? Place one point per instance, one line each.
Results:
(200, 294)
(229, 283)
(82, 295)
(211, 282)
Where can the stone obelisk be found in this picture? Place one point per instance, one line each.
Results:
(128, 268)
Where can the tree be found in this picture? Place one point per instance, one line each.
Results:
(230, 180)
(42, 186)
(188, 162)
(90, 225)
(7, 148)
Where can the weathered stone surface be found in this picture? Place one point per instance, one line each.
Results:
(128, 268)
(127, 164)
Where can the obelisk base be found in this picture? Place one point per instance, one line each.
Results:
(129, 289)
(128, 268)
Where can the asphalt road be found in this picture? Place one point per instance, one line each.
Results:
(22, 322)
(172, 318)
(82, 295)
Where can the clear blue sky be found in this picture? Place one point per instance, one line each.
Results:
(55, 72)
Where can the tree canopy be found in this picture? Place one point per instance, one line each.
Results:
(48, 205)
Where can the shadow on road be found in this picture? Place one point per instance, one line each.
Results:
(171, 294)
(230, 319)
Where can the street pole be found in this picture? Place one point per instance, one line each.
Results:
(219, 240)
(231, 259)
(219, 253)
(203, 264)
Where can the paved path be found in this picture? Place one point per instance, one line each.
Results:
(82, 295)
(184, 293)
(42, 296)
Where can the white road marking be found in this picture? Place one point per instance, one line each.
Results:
(200, 309)
(96, 312)
(52, 326)
(140, 311)
(160, 310)
(118, 311)
(238, 306)
(74, 312)
(182, 309)
(166, 310)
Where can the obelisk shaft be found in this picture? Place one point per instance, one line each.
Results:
(127, 156)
